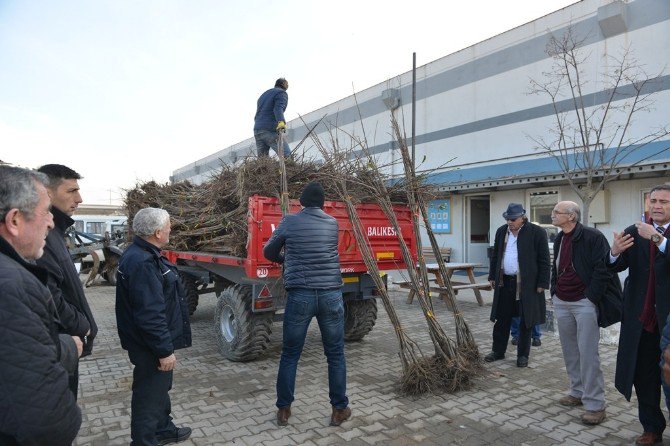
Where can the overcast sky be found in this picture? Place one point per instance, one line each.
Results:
(125, 91)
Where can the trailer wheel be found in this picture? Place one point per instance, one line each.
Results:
(241, 334)
(359, 318)
(192, 296)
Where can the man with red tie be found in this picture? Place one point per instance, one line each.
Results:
(642, 248)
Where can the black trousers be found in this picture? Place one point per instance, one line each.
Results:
(509, 307)
(150, 404)
(647, 382)
(73, 381)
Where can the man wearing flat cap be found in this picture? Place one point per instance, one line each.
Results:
(313, 285)
(519, 274)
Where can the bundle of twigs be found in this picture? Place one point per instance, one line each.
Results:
(211, 217)
(464, 338)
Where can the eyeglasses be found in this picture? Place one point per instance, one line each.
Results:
(560, 213)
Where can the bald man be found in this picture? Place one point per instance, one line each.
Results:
(579, 281)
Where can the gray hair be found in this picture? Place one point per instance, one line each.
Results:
(148, 220)
(573, 208)
(18, 191)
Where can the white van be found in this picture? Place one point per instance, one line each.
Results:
(99, 224)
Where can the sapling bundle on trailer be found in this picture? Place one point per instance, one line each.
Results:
(464, 338)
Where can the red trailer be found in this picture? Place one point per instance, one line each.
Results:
(250, 289)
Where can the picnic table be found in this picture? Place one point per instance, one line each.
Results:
(434, 270)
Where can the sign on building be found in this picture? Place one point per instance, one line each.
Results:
(439, 214)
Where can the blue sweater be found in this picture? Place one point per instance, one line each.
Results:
(270, 109)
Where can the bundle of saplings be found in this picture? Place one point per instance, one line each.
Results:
(212, 216)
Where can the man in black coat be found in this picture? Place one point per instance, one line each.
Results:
(313, 283)
(519, 274)
(36, 406)
(152, 321)
(579, 282)
(75, 314)
(642, 248)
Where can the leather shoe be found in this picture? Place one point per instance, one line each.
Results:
(593, 417)
(515, 341)
(282, 415)
(175, 436)
(493, 357)
(339, 416)
(522, 361)
(648, 439)
(536, 342)
(570, 401)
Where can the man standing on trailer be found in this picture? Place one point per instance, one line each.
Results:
(269, 120)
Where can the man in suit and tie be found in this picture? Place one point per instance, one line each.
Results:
(642, 248)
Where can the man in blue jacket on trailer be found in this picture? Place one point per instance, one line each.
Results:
(269, 120)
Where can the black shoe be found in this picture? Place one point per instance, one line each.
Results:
(515, 341)
(536, 342)
(522, 361)
(493, 357)
(175, 436)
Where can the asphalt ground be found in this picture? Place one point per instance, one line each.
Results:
(234, 403)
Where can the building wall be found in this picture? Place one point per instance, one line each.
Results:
(475, 118)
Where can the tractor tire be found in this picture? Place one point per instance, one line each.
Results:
(241, 334)
(192, 296)
(359, 318)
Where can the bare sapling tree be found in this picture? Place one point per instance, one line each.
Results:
(595, 134)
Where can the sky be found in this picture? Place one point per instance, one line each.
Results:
(128, 91)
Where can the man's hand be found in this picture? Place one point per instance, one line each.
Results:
(493, 284)
(645, 230)
(540, 290)
(79, 344)
(281, 127)
(167, 363)
(666, 366)
(622, 242)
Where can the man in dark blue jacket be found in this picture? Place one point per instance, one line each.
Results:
(75, 314)
(269, 120)
(152, 321)
(313, 283)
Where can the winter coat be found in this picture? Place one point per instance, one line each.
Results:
(636, 259)
(75, 314)
(533, 252)
(151, 306)
(589, 247)
(310, 257)
(36, 404)
(270, 109)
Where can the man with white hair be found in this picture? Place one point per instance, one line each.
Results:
(36, 404)
(152, 321)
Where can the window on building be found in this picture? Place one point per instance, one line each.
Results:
(541, 204)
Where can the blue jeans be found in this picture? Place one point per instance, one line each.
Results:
(514, 329)
(266, 140)
(301, 305)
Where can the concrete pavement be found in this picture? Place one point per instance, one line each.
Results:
(233, 403)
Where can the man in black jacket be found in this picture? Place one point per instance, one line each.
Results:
(579, 281)
(75, 314)
(313, 283)
(643, 249)
(269, 120)
(36, 406)
(152, 321)
(519, 274)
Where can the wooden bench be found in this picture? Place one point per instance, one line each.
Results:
(429, 255)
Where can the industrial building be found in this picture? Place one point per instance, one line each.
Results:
(477, 122)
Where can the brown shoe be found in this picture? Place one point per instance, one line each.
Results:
(648, 439)
(282, 415)
(593, 417)
(570, 401)
(339, 416)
